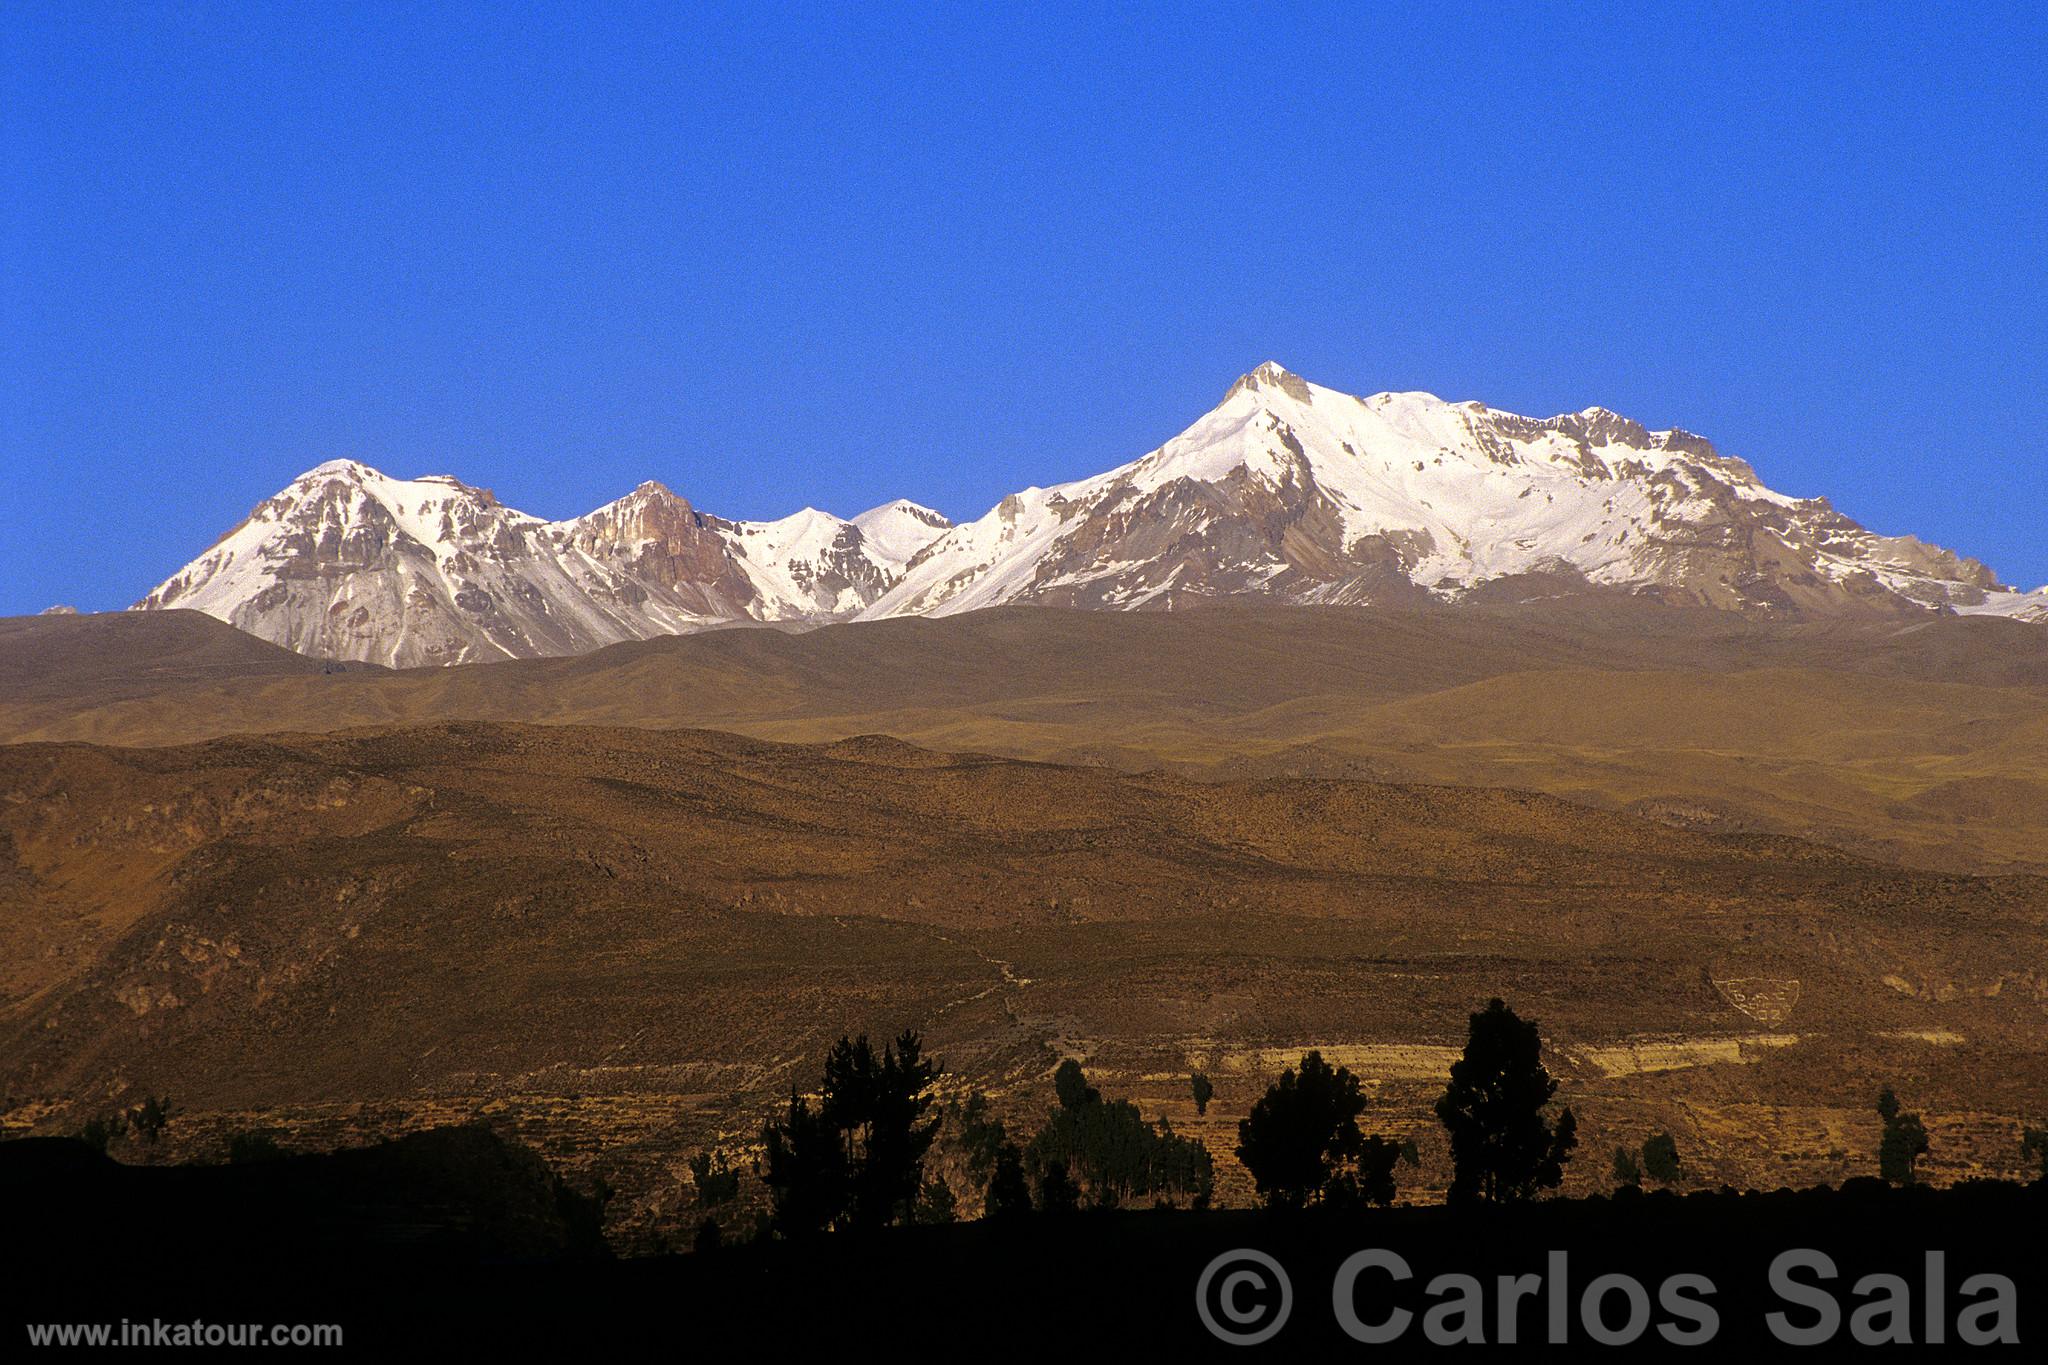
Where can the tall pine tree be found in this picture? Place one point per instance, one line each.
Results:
(1503, 1148)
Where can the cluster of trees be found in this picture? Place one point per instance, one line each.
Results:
(716, 1178)
(1105, 1150)
(856, 1158)
(856, 1161)
(1089, 1151)
(1659, 1159)
(145, 1122)
(993, 1161)
(1302, 1144)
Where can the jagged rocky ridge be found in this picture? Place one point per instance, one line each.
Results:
(349, 563)
(1286, 491)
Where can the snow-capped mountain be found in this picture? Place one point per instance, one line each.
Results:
(1299, 493)
(350, 563)
(1286, 491)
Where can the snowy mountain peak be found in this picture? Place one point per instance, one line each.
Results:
(349, 562)
(339, 469)
(650, 505)
(896, 531)
(1297, 493)
(902, 507)
(1285, 491)
(1272, 376)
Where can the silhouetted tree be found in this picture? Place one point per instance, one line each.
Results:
(1660, 1158)
(1179, 1165)
(806, 1170)
(935, 1203)
(709, 1236)
(2034, 1144)
(977, 1134)
(1375, 1179)
(1071, 1085)
(1502, 1146)
(1009, 1196)
(1302, 1132)
(857, 1161)
(716, 1179)
(1107, 1149)
(1904, 1141)
(1204, 1092)
(1057, 1193)
(1628, 1172)
(100, 1131)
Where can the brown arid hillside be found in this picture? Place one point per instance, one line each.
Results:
(1921, 741)
(621, 944)
(54, 666)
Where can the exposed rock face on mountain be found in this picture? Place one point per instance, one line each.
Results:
(1302, 494)
(1286, 491)
(348, 563)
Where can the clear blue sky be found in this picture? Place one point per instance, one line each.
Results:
(836, 255)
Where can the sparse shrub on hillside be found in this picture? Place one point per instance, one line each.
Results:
(253, 1147)
(1660, 1159)
(1107, 1149)
(1502, 1146)
(150, 1118)
(1302, 1145)
(99, 1132)
(2034, 1147)
(709, 1236)
(1628, 1172)
(1904, 1141)
(716, 1178)
(1009, 1195)
(1203, 1091)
